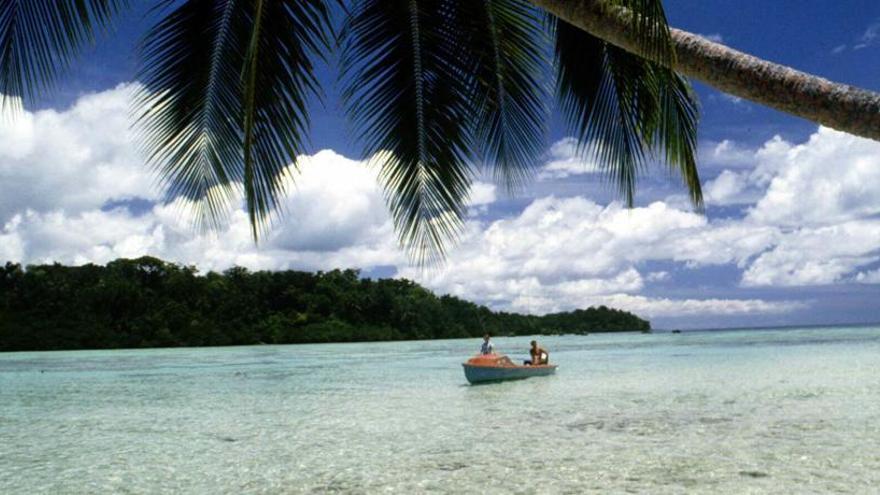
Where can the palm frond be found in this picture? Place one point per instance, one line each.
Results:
(278, 79)
(650, 28)
(226, 84)
(408, 94)
(677, 130)
(506, 43)
(624, 108)
(189, 111)
(39, 39)
(249, 81)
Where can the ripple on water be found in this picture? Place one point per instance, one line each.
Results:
(700, 413)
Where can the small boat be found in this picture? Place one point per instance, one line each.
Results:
(497, 368)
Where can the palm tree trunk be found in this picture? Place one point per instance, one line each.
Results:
(839, 106)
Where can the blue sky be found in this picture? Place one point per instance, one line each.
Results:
(791, 234)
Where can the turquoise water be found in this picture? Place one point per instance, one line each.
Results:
(782, 411)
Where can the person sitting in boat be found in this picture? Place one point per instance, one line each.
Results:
(487, 347)
(539, 355)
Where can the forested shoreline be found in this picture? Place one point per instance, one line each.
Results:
(147, 302)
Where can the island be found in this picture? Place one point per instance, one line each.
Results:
(147, 302)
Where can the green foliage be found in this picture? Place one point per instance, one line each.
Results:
(39, 39)
(146, 302)
(226, 85)
(408, 92)
(624, 109)
(504, 55)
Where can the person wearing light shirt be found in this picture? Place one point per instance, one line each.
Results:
(487, 347)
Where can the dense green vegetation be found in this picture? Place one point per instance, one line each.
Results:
(150, 303)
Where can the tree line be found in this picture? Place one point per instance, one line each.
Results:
(147, 302)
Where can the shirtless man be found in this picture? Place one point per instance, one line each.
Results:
(539, 354)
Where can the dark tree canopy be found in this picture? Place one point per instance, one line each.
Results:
(147, 302)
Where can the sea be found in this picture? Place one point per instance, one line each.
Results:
(792, 410)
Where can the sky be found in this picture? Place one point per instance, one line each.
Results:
(790, 236)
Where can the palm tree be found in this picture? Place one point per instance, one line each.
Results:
(432, 87)
(839, 106)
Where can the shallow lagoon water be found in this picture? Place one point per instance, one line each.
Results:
(771, 411)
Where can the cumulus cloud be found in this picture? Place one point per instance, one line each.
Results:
(75, 159)
(564, 160)
(831, 178)
(481, 195)
(820, 200)
(813, 218)
(564, 253)
(817, 256)
(868, 277)
(334, 217)
(813, 221)
(334, 202)
(727, 154)
(727, 188)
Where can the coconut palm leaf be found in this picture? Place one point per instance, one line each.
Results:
(225, 90)
(507, 41)
(650, 28)
(189, 111)
(429, 85)
(278, 78)
(677, 130)
(39, 39)
(406, 90)
(624, 108)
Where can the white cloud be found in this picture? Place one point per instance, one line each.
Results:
(838, 49)
(813, 220)
(660, 276)
(76, 159)
(726, 153)
(831, 178)
(567, 253)
(869, 37)
(481, 195)
(868, 277)
(820, 201)
(324, 227)
(716, 37)
(727, 188)
(334, 203)
(565, 160)
(817, 256)
(660, 307)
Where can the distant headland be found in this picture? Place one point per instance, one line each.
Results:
(147, 302)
